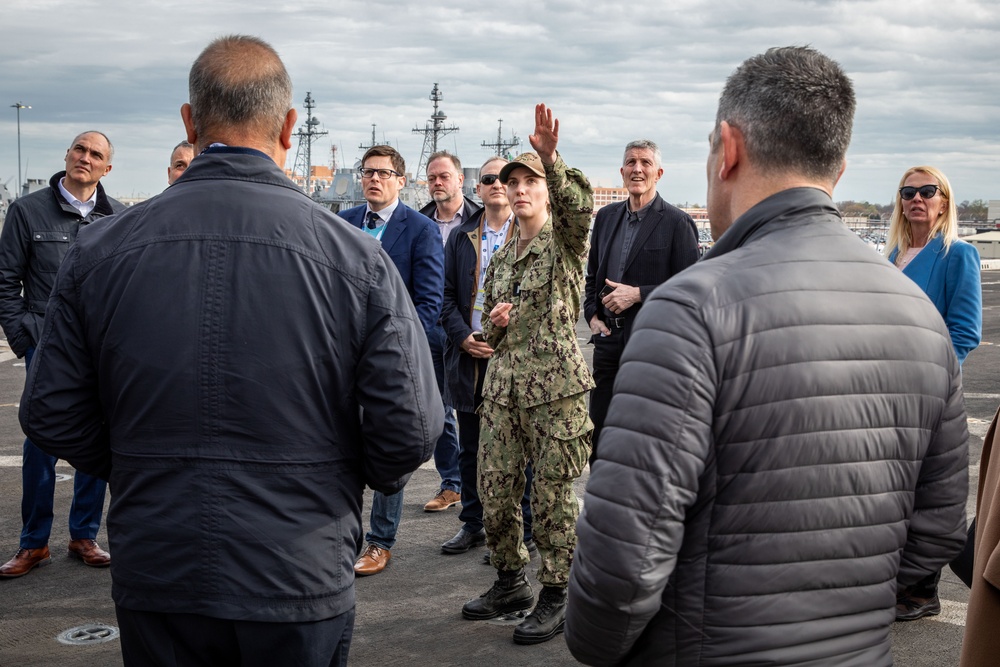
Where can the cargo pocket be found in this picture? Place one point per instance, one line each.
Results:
(570, 434)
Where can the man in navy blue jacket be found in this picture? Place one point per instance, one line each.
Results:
(240, 363)
(413, 242)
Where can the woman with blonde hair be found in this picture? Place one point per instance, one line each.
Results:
(924, 244)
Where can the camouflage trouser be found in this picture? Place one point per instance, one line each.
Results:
(555, 437)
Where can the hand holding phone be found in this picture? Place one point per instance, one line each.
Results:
(479, 336)
(608, 289)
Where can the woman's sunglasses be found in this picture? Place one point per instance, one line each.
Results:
(926, 192)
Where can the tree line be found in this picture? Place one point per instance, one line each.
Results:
(974, 211)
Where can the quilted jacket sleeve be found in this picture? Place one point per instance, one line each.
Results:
(937, 527)
(654, 448)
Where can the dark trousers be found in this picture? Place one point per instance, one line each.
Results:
(153, 639)
(471, 515)
(607, 357)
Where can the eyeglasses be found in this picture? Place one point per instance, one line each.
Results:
(382, 173)
(489, 179)
(926, 192)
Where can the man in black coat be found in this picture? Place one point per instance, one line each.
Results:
(635, 245)
(37, 233)
(239, 362)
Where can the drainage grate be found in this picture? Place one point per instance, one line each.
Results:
(91, 633)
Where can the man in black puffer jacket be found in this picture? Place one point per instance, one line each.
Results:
(787, 440)
(239, 362)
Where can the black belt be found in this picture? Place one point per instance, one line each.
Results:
(616, 322)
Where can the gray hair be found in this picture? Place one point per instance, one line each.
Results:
(644, 144)
(111, 148)
(795, 109)
(239, 81)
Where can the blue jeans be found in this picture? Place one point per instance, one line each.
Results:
(446, 450)
(386, 513)
(38, 484)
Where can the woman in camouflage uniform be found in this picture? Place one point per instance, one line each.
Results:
(535, 388)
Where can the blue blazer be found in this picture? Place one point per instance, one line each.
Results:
(413, 242)
(951, 280)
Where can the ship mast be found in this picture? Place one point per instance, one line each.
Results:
(500, 146)
(307, 134)
(432, 130)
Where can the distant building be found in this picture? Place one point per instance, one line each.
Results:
(605, 196)
(988, 243)
(322, 178)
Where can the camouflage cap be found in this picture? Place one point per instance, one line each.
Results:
(530, 161)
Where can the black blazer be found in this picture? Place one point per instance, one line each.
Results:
(665, 244)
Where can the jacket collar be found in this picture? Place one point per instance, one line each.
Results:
(102, 207)
(783, 206)
(237, 166)
(469, 208)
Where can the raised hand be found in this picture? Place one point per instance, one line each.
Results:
(546, 135)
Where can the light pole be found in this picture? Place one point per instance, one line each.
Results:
(19, 106)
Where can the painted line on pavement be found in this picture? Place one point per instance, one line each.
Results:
(15, 462)
(952, 613)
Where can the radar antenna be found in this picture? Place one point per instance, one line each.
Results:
(432, 130)
(307, 134)
(499, 147)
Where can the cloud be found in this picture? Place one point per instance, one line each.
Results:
(926, 77)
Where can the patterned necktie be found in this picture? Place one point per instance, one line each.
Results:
(373, 220)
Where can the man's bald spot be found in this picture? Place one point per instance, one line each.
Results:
(239, 82)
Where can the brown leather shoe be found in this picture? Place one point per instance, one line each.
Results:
(90, 553)
(442, 501)
(24, 561)
(372, 561)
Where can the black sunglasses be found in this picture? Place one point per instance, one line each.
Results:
(926, 192)
(489, 179)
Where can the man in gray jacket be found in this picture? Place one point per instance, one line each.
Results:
(239, 362)
(787, 439)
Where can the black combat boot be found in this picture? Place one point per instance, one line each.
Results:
(546, 620)
(510, 592)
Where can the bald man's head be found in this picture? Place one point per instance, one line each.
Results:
(239, 84)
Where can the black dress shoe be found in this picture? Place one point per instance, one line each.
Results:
(529, 543)
(911, 607)
(464, 541)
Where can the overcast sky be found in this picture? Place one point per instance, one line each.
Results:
(927, 77)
